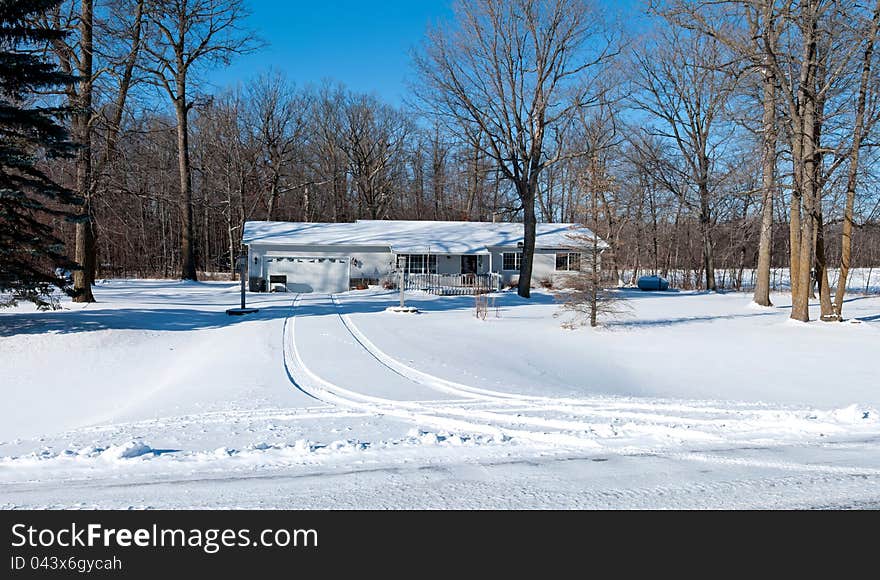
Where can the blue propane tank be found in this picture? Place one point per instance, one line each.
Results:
(653, 283)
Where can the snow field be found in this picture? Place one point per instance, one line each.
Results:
(154, 398)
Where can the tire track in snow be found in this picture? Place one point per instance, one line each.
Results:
(740, 419)
(512, 402)
(420, 377)
(443, 417)
(533, 401)
(627, 425)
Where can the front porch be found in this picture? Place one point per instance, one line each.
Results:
(446, 264)
(454, 284)
(449, 274)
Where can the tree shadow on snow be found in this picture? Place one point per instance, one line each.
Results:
(158, 319)
(681, 320)
(170, 316)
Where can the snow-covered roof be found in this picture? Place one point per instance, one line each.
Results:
(415, 236)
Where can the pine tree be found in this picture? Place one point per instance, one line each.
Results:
(31, 255)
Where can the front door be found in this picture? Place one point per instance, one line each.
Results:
(468, 264)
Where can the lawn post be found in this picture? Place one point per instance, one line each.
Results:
(242, 261)
(242, 269)
(401, 268)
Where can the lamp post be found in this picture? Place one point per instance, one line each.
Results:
(401, 282)
(401, 269)
(242, 271)
(242, 262)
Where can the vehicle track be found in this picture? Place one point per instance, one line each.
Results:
(449, 417)
(656, 413)
(619, 423)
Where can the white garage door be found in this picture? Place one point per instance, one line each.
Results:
(310, 274)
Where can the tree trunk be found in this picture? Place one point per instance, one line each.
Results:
(794, 227)
(594, 255)
(230, 229)
(639, 231)
(852, 176)
(205, 253)
(473, 179)
(804, 157)
(527, 194)
(187, 250)
(85, 230)
(307, 204)
(768, 186)
(827, 313)
(706, 238)
(273, 195)
(655, 244)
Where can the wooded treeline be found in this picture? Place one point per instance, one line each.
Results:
(737, 134)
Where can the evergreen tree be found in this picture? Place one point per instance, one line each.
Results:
(31, 255)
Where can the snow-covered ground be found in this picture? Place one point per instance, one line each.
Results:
(153, 397)
(859, 280)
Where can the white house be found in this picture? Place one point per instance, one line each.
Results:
(332, 257)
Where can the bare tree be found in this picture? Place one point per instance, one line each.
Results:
(74, 53)
(327, 143)
(229, 150)
(91, 59)
(123, 31)
(751, 30)
(375, 137)
(859, 126)
(82, 131)
(280, 124)
(514, 71)
(686, 83)
(332, 155)
(765, 24)
(584, 294)
(182, 35)
(806, 76)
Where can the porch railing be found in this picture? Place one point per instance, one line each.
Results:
(454, 284)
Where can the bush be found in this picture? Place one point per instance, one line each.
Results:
(584, 300)
(481, 306)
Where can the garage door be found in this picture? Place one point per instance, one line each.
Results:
(310, 274)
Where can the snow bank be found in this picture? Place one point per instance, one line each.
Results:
(129, 450)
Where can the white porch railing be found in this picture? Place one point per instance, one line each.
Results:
(454, 284)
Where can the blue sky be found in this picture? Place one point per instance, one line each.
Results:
(364, 44)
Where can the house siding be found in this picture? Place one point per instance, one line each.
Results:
(377, 262)
(544, 265)
(366, 261)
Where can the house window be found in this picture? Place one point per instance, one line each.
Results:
(421, 263)
(568, 261)
(511, 260)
